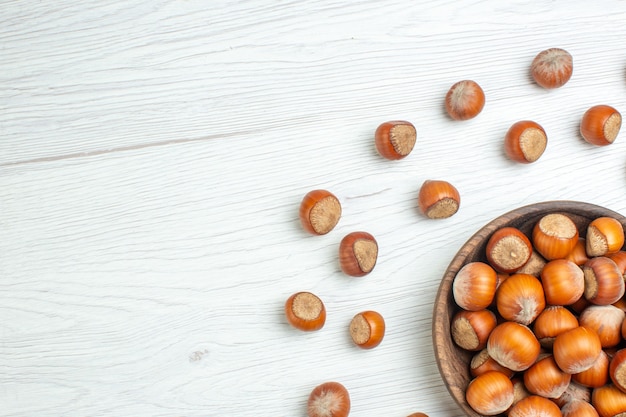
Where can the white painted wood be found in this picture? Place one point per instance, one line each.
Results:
(153, 156)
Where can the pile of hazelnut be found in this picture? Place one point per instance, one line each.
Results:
(524, 142)
(545, 319)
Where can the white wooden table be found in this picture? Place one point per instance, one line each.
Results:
(153, 155)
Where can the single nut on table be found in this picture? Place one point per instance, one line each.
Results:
(320, 211)
(600, 125)
(552, 68)
(464, 100)
(395, 139)
(367, 329)
(525, 141)
(438, 199)
(358, 253)
(330, 399)
(305, 311)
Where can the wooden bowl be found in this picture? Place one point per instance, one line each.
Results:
(453, 362)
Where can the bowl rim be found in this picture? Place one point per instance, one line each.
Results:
(440, 332)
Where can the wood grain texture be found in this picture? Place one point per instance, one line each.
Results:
(153, 156)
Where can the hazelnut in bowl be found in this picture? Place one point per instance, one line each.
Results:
(496, 341)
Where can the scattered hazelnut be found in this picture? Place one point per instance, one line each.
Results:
(395, 139)
(464, 100)
(552, 68)
(305, 311)
(438, 199)
(367, 329)
(330, 399)
(358, 252)
(525, 141)
(320, 211)
(600, 125)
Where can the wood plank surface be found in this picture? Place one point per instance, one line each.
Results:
(153, 156)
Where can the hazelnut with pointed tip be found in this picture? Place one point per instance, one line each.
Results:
(552, 68)
(465, 100)
(330, 399)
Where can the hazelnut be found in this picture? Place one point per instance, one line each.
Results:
(358, 252)
(395, 139)
(320, 211)
(552, 68)
(367, 329)
(305, 311)
(600, 125)
(525, 141)
(438, 199)
(464, 100)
